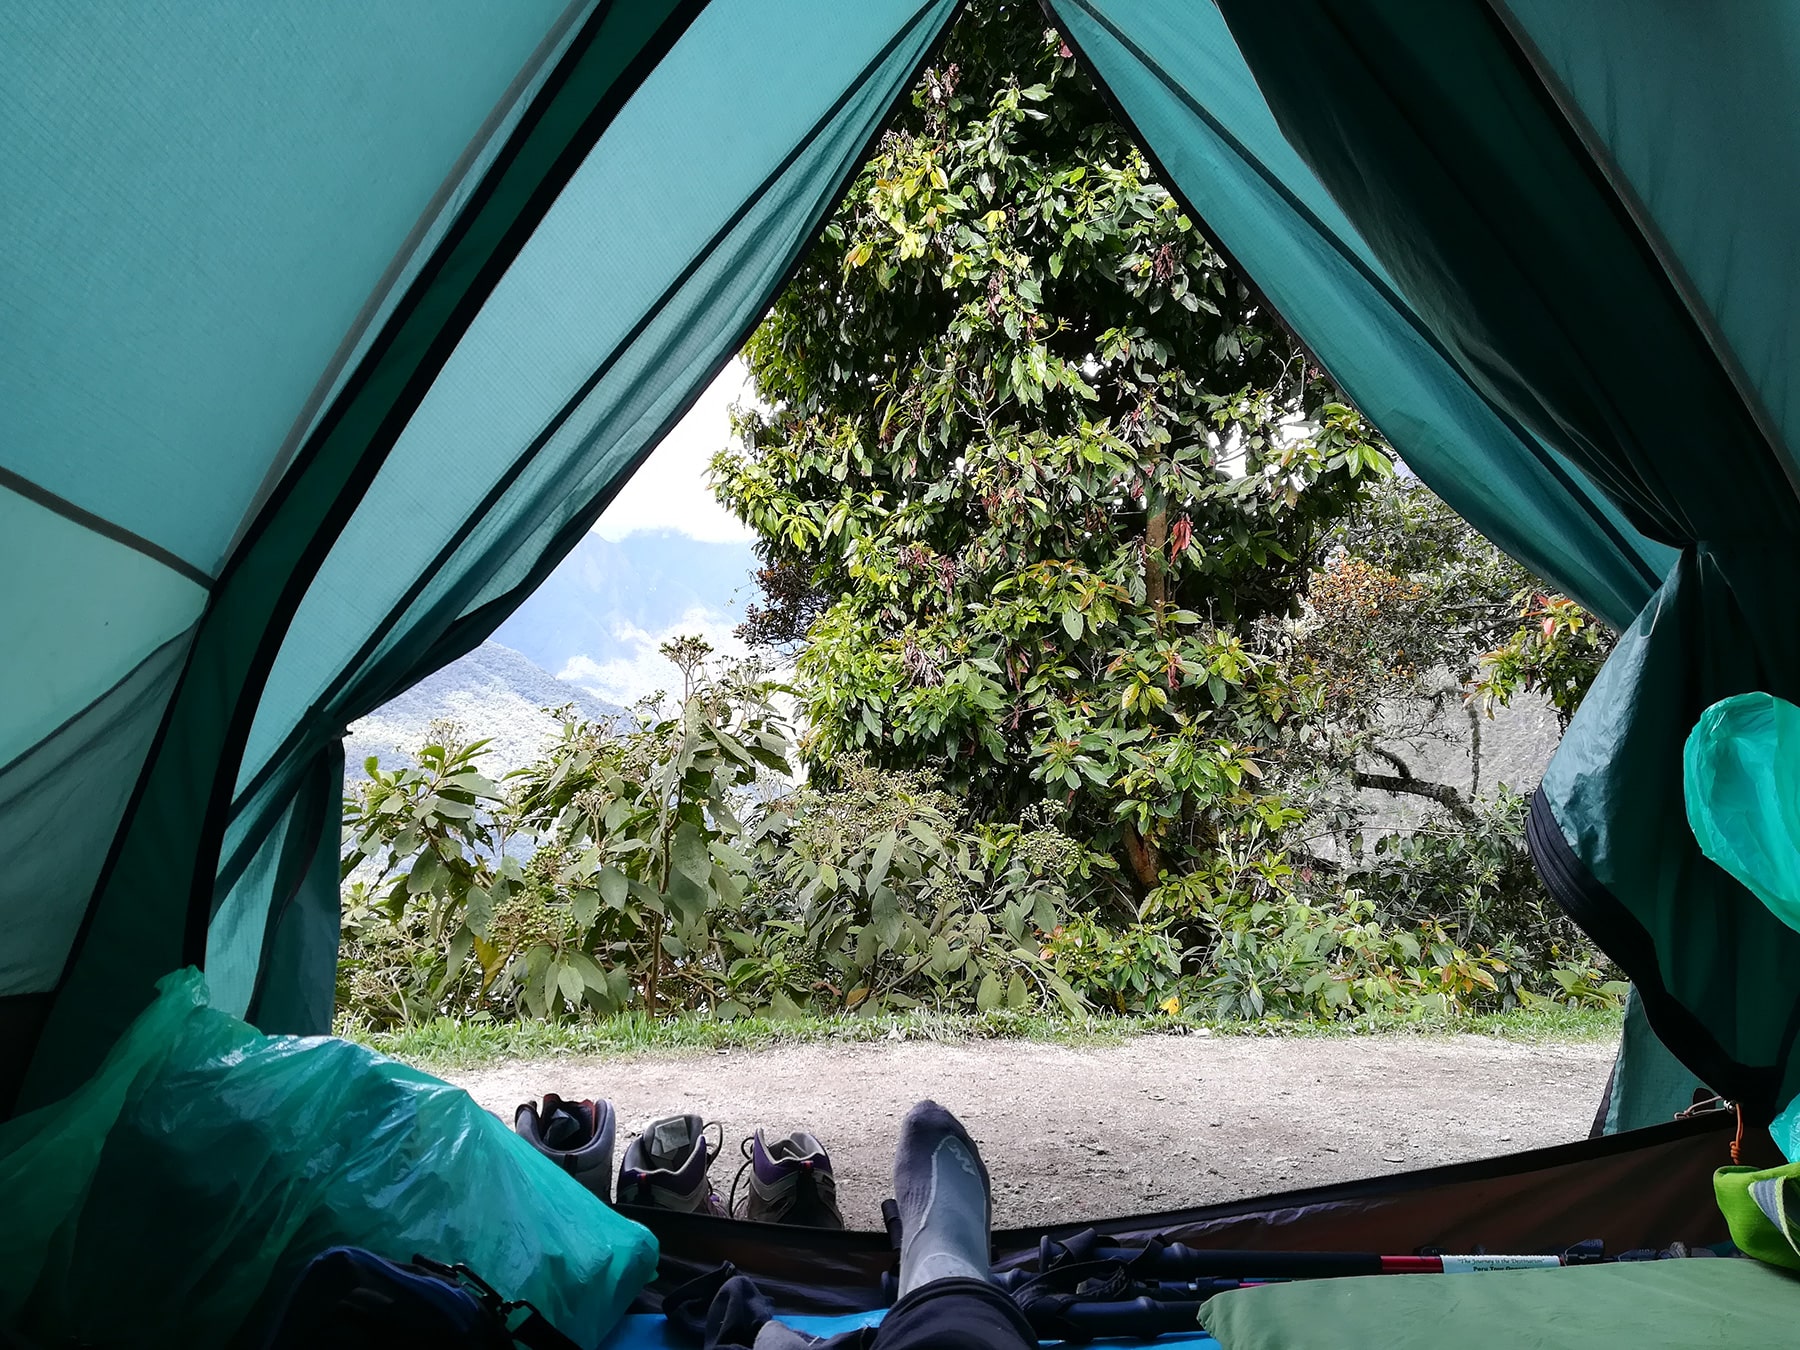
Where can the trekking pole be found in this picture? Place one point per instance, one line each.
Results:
(1195, 1262)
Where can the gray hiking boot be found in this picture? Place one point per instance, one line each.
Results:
(666, 1167)
(790, 1182)
(576, 1136)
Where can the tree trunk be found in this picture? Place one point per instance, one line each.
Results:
(1156, 545)
(1141, 854)
(653, 989)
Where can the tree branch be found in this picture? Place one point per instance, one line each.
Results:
(1441, 793)
(1404, 769)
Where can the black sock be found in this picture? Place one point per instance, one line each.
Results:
(941, 1189)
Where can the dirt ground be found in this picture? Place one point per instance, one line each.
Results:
(1156, 1122)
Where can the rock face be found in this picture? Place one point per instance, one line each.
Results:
(493, 692)
(1465, 749)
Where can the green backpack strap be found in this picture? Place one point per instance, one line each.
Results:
(1762, 1209)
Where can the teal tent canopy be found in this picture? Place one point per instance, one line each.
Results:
(328, 333)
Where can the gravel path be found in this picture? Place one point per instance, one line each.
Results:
(1157, 1122)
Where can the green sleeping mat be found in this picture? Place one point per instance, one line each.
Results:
(1693, 1304)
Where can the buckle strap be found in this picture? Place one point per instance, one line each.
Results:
(523, 1323)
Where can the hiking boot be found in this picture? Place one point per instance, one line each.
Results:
(576, 1136)
(666, 1166)
(790, 1182)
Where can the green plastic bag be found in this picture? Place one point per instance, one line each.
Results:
(1742, 783)
(173, 1199)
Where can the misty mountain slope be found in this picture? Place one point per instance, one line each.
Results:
(494, 692)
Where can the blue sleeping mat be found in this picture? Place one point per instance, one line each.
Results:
(650, 1332)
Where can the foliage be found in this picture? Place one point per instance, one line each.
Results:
(445, 1045)
(1044, 461)
(670, 865)
(1557, 652)
(1414, 603)
(1104, 609)
(884, 902)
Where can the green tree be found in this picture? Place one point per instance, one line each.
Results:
(1036, 467)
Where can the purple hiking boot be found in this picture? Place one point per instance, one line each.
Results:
(790, 1182)
(576, 1136)
(666, 1167)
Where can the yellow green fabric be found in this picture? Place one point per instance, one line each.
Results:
(1719, 1303)
(1762, 1209)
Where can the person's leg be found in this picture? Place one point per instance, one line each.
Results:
(946, 1301)
(941, 1189)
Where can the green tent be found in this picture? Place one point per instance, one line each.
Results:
(328, 330)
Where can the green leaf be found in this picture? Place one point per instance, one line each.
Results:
(784, 1008)
(584, 908)
(878, 866)
(689, 854)
(923, 832)
(1071, 622)
(688, 898)
(569, 981)
(591, 974)
(885, 918)
(1018, 994)
(478, 911)
(613, 887)
(427, 871)
(988, 996)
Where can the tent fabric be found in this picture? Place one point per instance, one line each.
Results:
(582, 359)
(1648, 1085)
(329, 334)
(150, 907)
(1439, 138)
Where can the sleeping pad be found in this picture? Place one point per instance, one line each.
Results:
(1696, 1304)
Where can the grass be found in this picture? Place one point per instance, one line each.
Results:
(447, 1044)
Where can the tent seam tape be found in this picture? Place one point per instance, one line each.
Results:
(98, 524)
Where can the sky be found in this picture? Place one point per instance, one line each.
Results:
(670, 491)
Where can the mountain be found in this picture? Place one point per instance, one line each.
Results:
(609, 597)
(598, 617)
(494, 692)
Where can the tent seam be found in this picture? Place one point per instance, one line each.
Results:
(542, 59)
(96, 701)
(94, 523)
